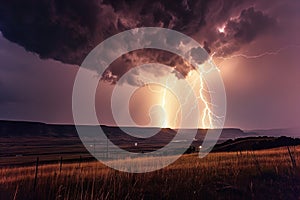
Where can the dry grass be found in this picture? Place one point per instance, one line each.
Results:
(267, 174)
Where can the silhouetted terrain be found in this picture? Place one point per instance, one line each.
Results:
(255, 143)
(31, 139)
(42, 161)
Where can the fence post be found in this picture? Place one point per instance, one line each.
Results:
(36, 172)
(60, 164)
(79, 163)
(292, 158)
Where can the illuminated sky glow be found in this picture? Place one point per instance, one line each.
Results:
(256, 47)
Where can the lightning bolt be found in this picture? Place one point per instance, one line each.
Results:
(163, 104)
(208, 117)
(267, 53)
(207, 113)
(163, 100)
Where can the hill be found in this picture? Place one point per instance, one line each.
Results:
(255, 143)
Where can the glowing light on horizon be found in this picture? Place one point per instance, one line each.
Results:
(197, 83)
(168, 102)
(163, 104)
(173, 115)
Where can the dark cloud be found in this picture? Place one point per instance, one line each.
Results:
(206, 47)
(60, 29)
(261, 93)
(243, 30)
(199, 55)
(68, 30)
(135, 58)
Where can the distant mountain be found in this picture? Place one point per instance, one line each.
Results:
(41, 134)
(31, 139)
(24, 129)
(289, 132)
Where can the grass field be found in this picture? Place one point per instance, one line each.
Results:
(267, 174)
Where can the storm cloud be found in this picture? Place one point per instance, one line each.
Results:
(242, 30)
(136, 58)
(68, 30)
(255, 45)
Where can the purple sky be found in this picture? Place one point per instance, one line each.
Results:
(42, 44)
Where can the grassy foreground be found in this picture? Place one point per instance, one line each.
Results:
(266, 174)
